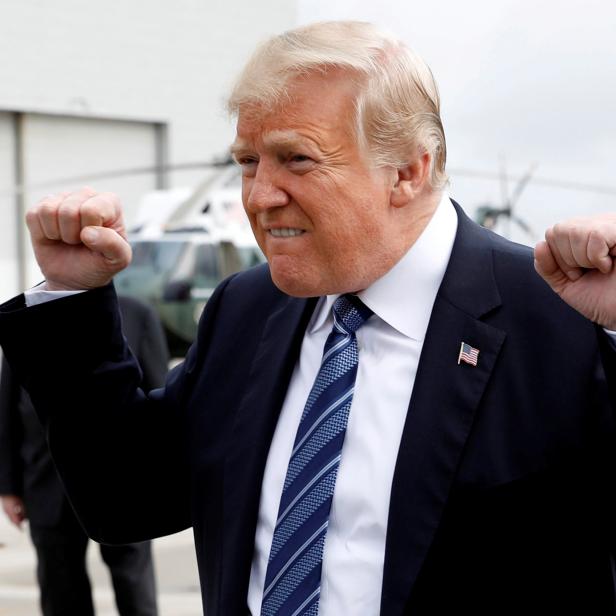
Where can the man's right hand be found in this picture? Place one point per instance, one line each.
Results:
(79, 239)
(14, 508)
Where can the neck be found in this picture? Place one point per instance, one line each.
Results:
(416, 216)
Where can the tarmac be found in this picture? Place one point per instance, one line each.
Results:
(176, 574)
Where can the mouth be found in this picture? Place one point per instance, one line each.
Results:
(285, 232)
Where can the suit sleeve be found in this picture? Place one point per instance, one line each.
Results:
(121, 453)
(11, 434)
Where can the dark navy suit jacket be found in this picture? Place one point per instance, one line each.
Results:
(502, 496)
(26, 468)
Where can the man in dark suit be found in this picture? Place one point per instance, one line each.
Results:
(31, 489)
(451, 451)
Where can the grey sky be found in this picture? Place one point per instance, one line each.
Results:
(534, 82)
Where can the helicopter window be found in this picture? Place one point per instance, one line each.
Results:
(207, 270)
(250, 257)
(157, 256)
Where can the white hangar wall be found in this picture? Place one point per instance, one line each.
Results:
(101, 86)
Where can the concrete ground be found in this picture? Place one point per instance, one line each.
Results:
(176, 573)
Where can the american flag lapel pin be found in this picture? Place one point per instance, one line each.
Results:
(468, 354)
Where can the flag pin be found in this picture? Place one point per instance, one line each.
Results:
(468, 354)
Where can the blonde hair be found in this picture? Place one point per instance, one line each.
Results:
(398, 105)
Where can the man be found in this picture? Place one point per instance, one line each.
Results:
(30, 489)
(473, 472)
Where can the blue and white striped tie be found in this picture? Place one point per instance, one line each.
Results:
(293, 577)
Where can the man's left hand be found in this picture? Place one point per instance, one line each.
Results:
(14, 508)
(577, 261)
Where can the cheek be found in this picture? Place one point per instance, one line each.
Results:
(328, 244)
(347, 226)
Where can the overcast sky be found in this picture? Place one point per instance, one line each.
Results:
(528, 81)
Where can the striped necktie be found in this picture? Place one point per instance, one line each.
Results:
(293, 577)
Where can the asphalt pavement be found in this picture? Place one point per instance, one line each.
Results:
(176, 574)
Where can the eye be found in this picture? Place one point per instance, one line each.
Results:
(299, 162)
(248, 164)
(299, 158)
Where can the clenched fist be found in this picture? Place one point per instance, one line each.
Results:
(577, 261)
(79, 239)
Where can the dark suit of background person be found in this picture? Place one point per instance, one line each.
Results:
(26, 469)
(502, 497)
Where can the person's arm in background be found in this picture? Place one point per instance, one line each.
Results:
(154, 351)
(147, 340)
(11, 435)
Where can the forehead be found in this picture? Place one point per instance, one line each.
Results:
(317, 107)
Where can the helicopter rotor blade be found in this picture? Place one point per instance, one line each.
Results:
(521, 185)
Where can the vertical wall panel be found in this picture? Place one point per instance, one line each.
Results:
(57, 148)
(8, 228)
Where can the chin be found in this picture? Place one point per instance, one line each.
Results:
(296, 281)
(295, 286)
(290, 275)
(302, 279)
(301, 284)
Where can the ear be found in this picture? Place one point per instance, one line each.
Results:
(411, 180)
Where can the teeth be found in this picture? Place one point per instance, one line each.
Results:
(286, 232)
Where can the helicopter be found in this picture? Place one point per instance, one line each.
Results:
(489, 215)
(185, 242)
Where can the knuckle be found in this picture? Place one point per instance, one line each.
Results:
(32, 215)
(110, 197)
(68, 209)
(595, 235)
(47, 208)
(88, 192)
(47, 199)
(103, 203)
(109, 203)
(91, 211)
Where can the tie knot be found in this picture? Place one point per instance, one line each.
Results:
(350, 313)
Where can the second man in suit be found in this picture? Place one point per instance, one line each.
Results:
(31, 489)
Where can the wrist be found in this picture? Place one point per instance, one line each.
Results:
(50, 285)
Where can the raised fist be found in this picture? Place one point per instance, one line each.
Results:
(577, 261)
(79, 239)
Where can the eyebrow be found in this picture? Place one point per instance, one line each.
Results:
(237, 147)
(274, 139)
(278, 138)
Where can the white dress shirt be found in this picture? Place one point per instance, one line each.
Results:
(389, 344)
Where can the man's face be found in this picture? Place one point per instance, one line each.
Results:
(319, 210)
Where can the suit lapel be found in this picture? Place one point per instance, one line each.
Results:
(440, 416)
(249, 444)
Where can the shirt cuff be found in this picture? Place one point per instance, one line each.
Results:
(40, 295)
(612, 336)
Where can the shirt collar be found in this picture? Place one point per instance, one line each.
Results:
(404, 296)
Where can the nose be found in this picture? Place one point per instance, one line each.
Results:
(263, 191)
